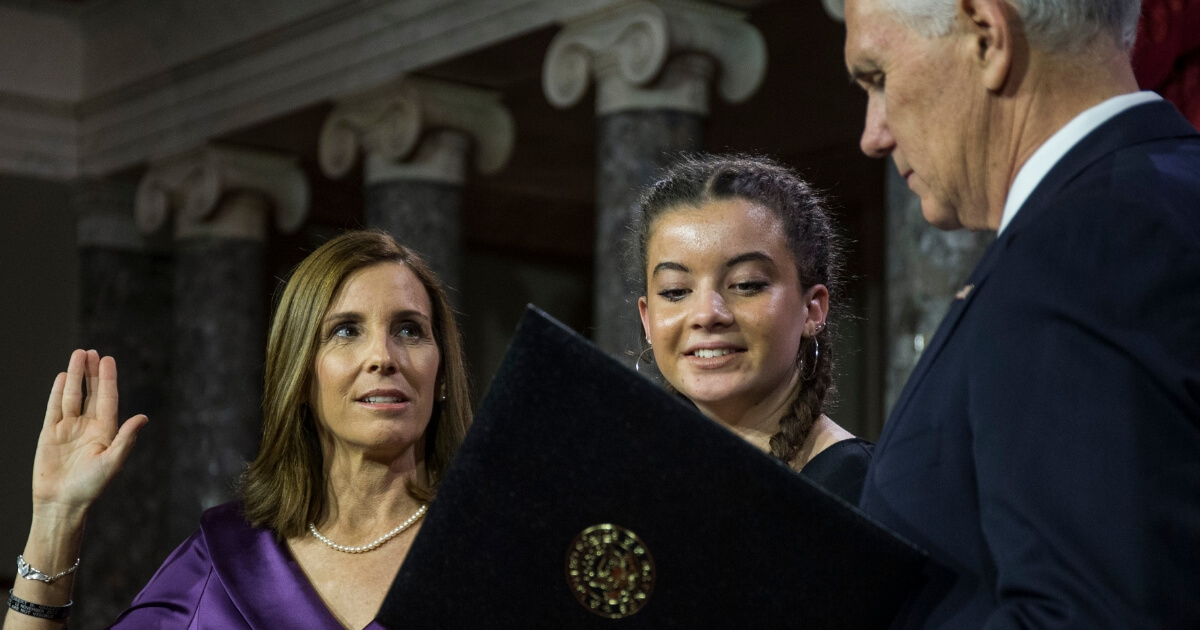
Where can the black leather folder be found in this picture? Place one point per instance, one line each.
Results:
(586, 496)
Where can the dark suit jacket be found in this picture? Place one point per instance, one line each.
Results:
(1046, 448)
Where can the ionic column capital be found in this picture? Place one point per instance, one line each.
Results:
(103, 211)
(440, 157)
(391, 124)
(648, 54)
(211, 191)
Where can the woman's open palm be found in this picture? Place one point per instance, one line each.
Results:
(81, 447)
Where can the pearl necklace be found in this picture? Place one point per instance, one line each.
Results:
(379, 541)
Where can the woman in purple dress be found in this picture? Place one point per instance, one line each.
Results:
(365, 402)
(739, 265)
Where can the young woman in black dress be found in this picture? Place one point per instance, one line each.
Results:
(739, 266)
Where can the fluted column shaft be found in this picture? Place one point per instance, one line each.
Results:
(125, 312)
(219, 203)
(420, 201)
(425, 216)
(218, 340)
(632, 147)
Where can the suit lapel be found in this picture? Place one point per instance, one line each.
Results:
(949, 323)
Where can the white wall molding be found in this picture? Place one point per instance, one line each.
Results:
(38, 137)
(147, 100)
(40, 83)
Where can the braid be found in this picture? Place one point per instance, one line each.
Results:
(808, 403)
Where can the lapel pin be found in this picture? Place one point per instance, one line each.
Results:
(964, 292)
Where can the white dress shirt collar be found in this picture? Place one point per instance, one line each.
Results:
(1051, 151)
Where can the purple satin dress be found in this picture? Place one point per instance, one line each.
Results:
(229, 576)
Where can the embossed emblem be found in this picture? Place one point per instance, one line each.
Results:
(610, 571)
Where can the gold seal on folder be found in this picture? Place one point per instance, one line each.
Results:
(610, 571)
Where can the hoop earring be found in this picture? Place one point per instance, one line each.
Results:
(816, 355)
(637, 364)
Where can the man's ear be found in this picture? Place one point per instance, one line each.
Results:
(991, 28)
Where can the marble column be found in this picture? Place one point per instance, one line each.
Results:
(125, 312)
(416, 135)
(652, 64)
(926, 267)
(219, 202)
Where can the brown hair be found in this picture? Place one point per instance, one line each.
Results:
(284, 487)
(816, 248)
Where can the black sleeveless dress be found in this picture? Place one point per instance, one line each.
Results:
(841, 468)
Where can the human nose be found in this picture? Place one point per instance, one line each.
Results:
(383, 355)
(711, 311)
(877, 140)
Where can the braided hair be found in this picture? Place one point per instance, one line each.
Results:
(816, 248)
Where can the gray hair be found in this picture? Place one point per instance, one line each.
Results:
(1050, 25)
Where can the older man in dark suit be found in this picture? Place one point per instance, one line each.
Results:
(1047, 446)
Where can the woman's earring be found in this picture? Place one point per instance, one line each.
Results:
(637, 365)
(816, 355)
(442, 392)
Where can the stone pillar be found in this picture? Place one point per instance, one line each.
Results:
(416, 135)
(219, 201)
(652, 62)
(125, 312)
(926, 267)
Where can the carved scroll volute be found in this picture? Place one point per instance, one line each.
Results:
(191, 186)
(278, 179)
(386, 121)
(632, 51)
(390, 122)
(477, 113)
(631, 39)
(737, 47)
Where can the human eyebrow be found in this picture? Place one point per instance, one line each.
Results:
(410, 314)
(668, 266)
(748, 257)
(341, 316)
(334, 321)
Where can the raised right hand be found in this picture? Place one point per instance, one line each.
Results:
(81, 448)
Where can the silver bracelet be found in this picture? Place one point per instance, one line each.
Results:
(30, 573)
